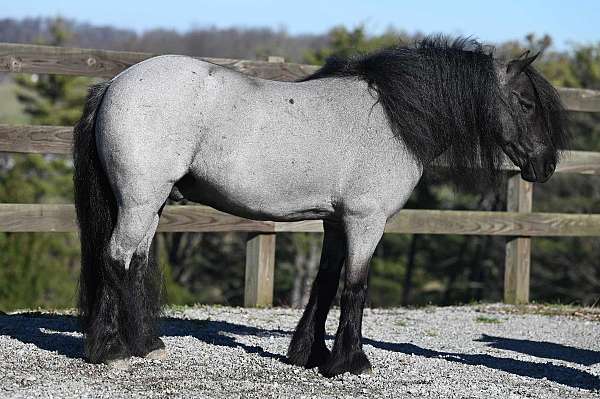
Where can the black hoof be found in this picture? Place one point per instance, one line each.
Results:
(115, 351)
(299, 349)
(297, 357)
(318, 357)
(308, 358)
(353, 362)
(156, 350)
(154, 344)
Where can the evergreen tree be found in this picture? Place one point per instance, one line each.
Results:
(40, 269)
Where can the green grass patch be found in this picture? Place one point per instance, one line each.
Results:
(401, 323)
(547, 309)
(487, 320)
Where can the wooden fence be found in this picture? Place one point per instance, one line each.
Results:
(518, 223)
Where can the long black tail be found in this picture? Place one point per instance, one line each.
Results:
(96, 215)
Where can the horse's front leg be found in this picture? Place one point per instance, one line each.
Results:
(308, 348)
(363, 232)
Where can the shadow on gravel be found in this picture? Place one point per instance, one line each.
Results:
(217, 332)
(55, 333)
(547, 350)
(552, 372)
(60, 333)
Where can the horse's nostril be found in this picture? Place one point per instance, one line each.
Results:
(550, 167)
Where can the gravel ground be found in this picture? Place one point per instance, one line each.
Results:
(452, 352)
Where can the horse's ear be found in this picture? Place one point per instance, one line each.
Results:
(518, 65)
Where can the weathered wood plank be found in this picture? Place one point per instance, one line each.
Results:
(582, 162)
(107, 63)
(260, 270)
(193, 218)
(59, 140)
(37, 218)
(36, 139)
(413, 221)
(494, 223)
(61, 218)
(520, 195)
(518, 249)
(517, 270)
(584, 100)
(305, 226)
(197, 218)
(66, 61)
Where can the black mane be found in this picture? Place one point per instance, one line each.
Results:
(440, 96)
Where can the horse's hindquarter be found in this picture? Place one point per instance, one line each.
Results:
(147, 125)
(263, 149)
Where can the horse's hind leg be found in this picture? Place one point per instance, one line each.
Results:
(307, 347)
(145, 287)
(125, 322)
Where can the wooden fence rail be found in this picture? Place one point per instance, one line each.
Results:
(59, 140)
(22, 218)
(29, 58)
(519, 223)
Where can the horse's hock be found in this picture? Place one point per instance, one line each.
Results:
(519, 224)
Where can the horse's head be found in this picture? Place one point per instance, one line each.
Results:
(533, 119)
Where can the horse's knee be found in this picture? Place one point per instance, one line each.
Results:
(133, 232)
(119, 254)
(143, 249)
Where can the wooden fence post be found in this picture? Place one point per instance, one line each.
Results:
(260, 270)
(518, 249)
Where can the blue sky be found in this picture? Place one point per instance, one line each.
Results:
(566, 21)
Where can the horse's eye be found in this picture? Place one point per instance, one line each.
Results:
(526, 106)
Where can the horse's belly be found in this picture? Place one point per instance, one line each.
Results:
(257, 195)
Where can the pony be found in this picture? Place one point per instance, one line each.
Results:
(346, 145)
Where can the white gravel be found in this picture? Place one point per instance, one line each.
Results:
(454, 352)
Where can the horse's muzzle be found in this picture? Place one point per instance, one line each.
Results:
(538, 171)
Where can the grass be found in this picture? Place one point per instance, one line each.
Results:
(487, 320)
(544, 309)
(179, 308)
(401, 323)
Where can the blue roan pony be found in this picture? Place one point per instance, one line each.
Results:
(346, 145)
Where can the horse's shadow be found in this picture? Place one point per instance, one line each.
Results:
(546, 350)
(552, 372)
(60, 333)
